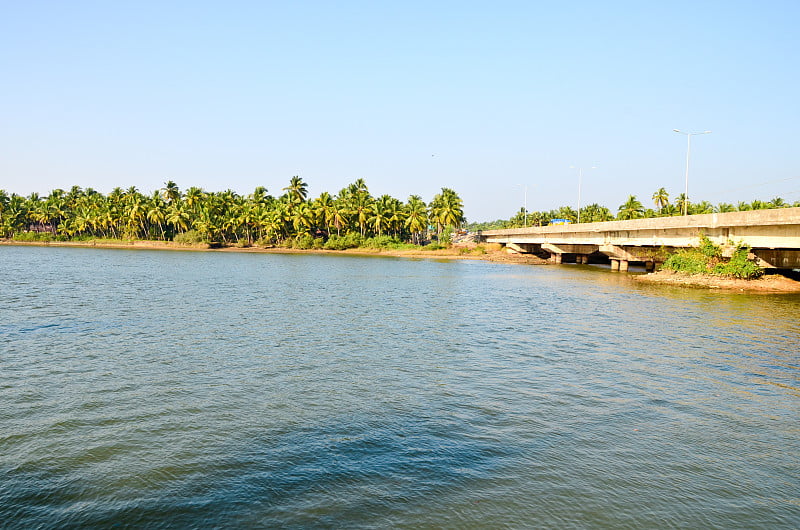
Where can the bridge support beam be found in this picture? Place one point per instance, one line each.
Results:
(614, 264)
(780, 259)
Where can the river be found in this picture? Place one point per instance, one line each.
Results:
(189, 389)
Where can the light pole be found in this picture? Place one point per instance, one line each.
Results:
(580, 181)
(688, 151)
(525, 207)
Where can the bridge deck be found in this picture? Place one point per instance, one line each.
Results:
(773, 234)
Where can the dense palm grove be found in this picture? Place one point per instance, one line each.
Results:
(630, 209)
(227, 217)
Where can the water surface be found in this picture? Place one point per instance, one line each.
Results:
(163, 389)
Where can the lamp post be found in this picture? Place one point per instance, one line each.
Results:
(580, 181)
(525, 207)
(688, 151)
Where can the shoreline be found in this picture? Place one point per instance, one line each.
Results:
(769, 283)
(454, 253)
(766, 284)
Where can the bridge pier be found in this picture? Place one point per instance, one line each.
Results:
(773, 235)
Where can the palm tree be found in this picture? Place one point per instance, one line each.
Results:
(324, 210)
(631, 209)
(661, 199)
(594, 213)
(416, 217)
(297, 190)
(171, 192)
(682, 204)
(447, 209)
(381, 214)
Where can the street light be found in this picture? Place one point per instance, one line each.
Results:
(688, 151)
(525, 207)
(580, 180)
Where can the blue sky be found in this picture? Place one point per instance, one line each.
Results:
(482, 97)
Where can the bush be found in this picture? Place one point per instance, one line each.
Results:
(434, 246)
(303, 242)
(446, 237)
(688, 260)
(192, 237)
(32, 236)
(739, 266)
(351, 240)
(707, 259)
(708, 248)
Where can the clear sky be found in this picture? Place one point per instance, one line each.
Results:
(483, 97)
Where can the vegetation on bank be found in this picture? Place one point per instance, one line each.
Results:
(630, 209)
(352, 218)
(708, 259)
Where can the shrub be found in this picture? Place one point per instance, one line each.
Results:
(739, 266)
(687, 260)
(708, 248)
(351, 240)
(303, 242)
(434, 246)
(192, 237)
(707, 259)
(32, 236)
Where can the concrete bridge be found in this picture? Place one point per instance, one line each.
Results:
(773, 235)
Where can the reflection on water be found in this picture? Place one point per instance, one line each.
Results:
(172, 389)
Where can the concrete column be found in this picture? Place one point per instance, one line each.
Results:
(614, 264)
(556, 258)
(585, 259)
(623, 265)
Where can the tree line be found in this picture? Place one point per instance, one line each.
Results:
(632, 208)
(227, 217)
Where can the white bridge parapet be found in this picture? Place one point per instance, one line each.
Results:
(774, 236)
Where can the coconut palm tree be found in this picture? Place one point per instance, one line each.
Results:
(661, 199)
(416, 217)
(297, 190)
(631, 209)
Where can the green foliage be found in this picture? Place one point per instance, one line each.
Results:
(739, 266)
(192, 237)
(33, 236)
(707, 259)
(351, 240)
(708, 248)
(434, 246)
(687, 260)
(303, 242)
(446, 237)
(385, 243)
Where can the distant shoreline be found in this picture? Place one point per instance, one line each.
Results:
(767, 284)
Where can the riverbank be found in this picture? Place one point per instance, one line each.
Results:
(772, 283)
(490, 252)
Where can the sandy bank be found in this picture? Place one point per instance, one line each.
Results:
(766, 284)
(463, 252)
